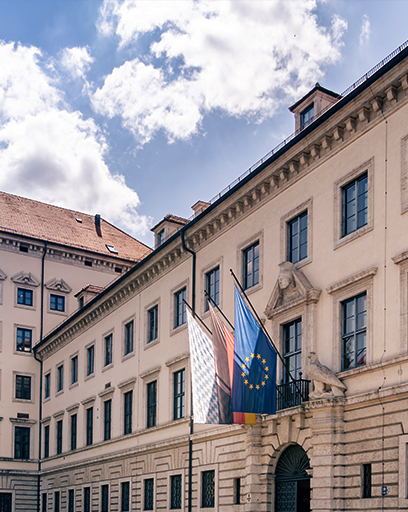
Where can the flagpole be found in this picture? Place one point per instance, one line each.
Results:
(196, 316)
(264, 330)
(218, 309)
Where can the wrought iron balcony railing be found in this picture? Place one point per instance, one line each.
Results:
(292, 393)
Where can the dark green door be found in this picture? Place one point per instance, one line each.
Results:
(292, 483)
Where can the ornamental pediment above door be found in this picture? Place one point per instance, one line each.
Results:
(292, 288)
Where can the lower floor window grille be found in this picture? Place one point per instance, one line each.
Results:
(175, 501)
(208, 489)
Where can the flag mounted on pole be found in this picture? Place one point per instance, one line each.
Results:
(254, 375)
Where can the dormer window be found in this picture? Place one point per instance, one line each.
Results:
(160, 237)
(306, 116)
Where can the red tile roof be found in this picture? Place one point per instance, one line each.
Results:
(21, 216)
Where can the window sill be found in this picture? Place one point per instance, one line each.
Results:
(58, 393)
(90, 376)
(352, 236)
(107, 367)
(74, 385)
(128, 356)
(178, 329)
(253, 289)
(151, 344)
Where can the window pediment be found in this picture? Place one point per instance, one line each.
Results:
(58, 285)
(26, 279)
(292, 288)
(2, 275)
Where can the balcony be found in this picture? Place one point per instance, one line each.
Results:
(292, 393)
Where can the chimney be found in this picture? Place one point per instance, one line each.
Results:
(199, 207)
(98, 225)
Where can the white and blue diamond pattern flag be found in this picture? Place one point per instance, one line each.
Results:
(205, 398)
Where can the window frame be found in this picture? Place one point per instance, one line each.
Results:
(74, 370)
(216, 285)
(47, 385)
(341, 291)
(89, 428)
(294, 353)
(128, 337)
(203, 475)
(87, 367)
(107, 419)
(104, 487)
(366, 168)
(178, 474)
(60, 378)
(180, 308)
(23, 378)
(255, 238)
(24, 329)
(151, 479)
(107, 354)
(356, 332)
(27, 292)
(57, 299)
(87, 498)
(247, 283)
(151, 406)
(122, 483)
(153, 311)
(306, 206)
(179, 395)
(25, 446)
(59, 436)
(73, 431)
(302, 122)
(357, 185)
(46, 450)
(127, 423)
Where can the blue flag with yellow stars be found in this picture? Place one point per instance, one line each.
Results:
(254, 381)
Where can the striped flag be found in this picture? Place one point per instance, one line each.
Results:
(205, 396)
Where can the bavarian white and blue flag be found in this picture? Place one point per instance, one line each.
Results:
(205, 397)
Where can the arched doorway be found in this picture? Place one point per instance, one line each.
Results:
(292, 483)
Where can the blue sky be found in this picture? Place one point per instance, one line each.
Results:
(135, 109)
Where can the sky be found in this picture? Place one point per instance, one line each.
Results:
(136, 109)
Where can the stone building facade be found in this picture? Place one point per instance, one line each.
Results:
(315, 233)
(47, 254)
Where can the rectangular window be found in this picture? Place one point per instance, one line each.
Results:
(237, 491)
(108, 349)
(47, 385)
(125, 496)
(152, 318)
(87, 499)
(179, 308)
(24, 339)
(90, 360)
(60, 378)
(74, 370)
(44, 502)
(297, 238)
(89, 426)
(306, 117)
(56, 501)
(57, 303)
(251, 266)
(128, 406)
(46, 441)
(59, 437)
(71, 500)
(160, 237)
(129, 338)
(208, 489)
(179, 395)
(292, 350)
(24, 297)
(105, 498)
(107, 419)
(366, 480)
(212, 286)
(354, 205)
(148, 494)
(6, 501)
(23, 387)
(354, 331)
(151, 404)
(74, 427)
(21, 442)
(175, 492)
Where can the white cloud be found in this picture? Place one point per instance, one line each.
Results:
(237, 57)
(365, 30)
(51, 154)
(76, 60)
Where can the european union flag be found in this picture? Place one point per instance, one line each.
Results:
(254, 382)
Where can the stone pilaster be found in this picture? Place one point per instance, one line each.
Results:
(255, 483)
(328, 454)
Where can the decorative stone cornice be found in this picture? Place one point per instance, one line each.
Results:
(178, 359)
(150, 372)
(25, 279)
(89, 400)
(73, 407)
(353, 279)
(108, 391)
(127, 382)
(2, 275)
(58, 414)
(58, 286)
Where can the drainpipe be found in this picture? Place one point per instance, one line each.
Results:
(41, 375)
(190, 441)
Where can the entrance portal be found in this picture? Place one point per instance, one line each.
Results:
(292, 483)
